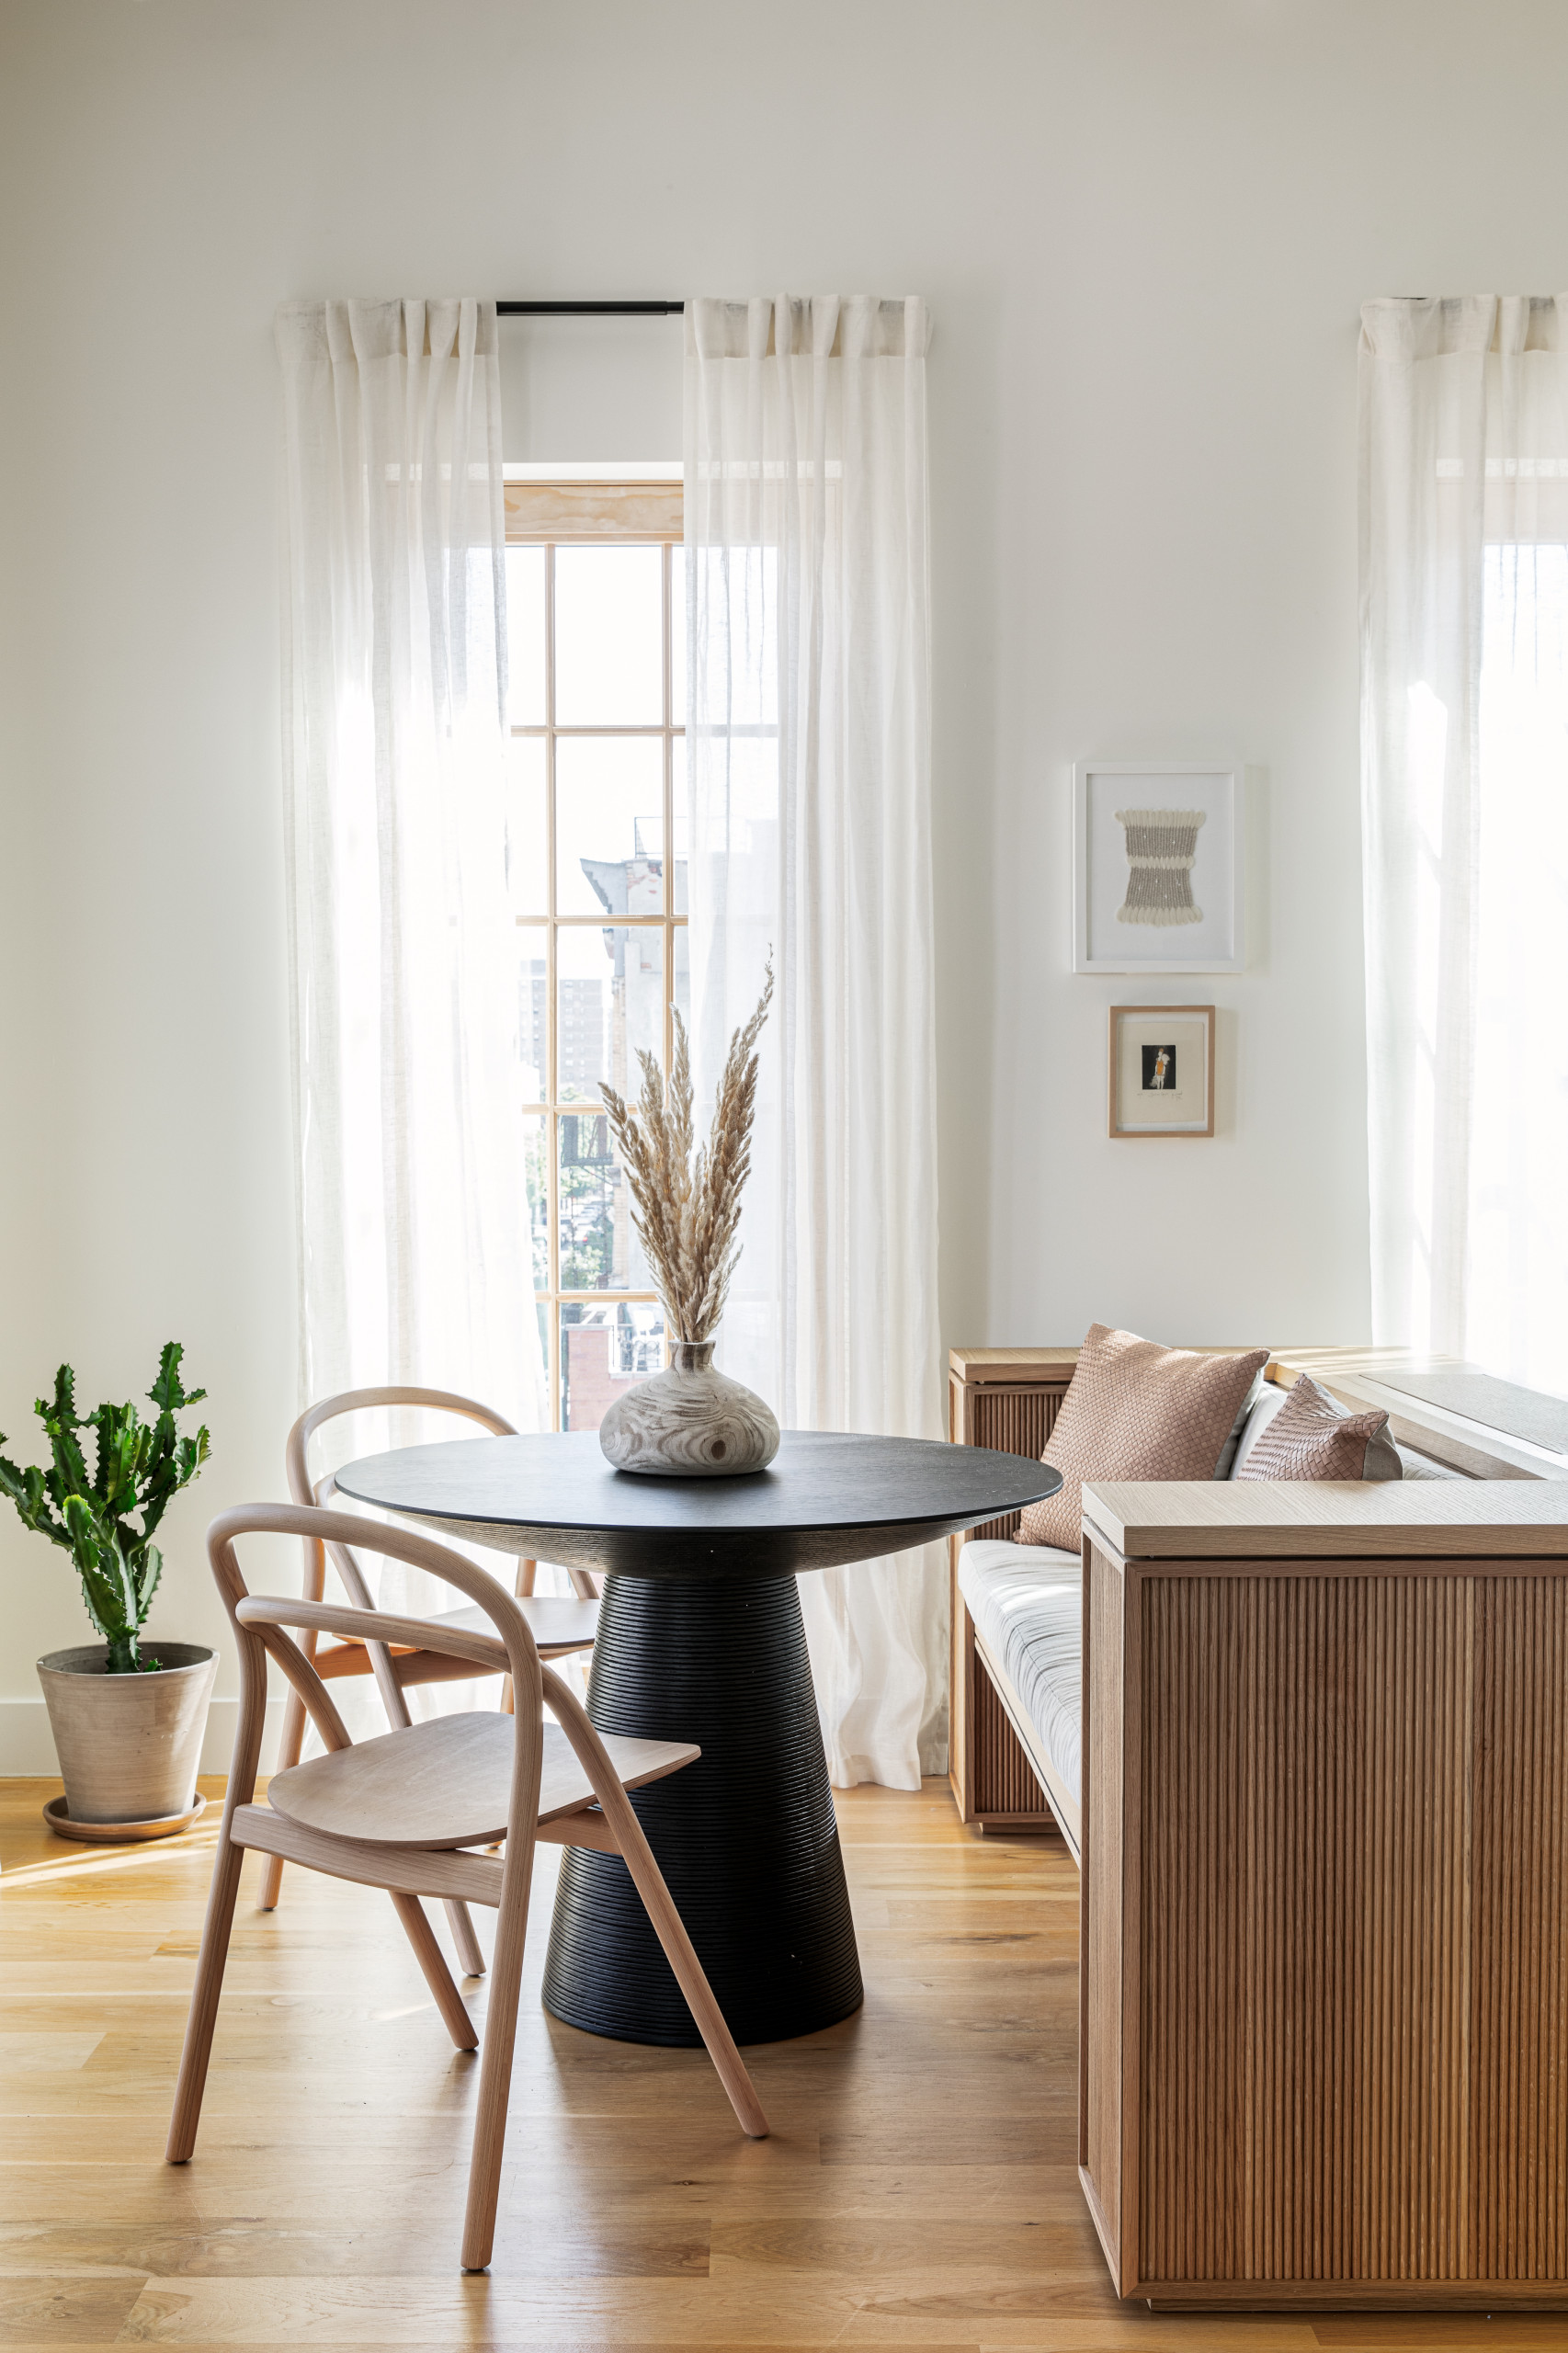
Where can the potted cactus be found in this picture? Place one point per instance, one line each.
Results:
(127, 1725)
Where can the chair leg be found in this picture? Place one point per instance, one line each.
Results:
(495, 2061)
(204, 2003)
(437, 1976)
(670, 1929)
(289, 1747)
(465, 1936)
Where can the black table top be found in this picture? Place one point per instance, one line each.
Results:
(826, 1498)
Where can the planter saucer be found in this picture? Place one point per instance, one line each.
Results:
(119, 1834)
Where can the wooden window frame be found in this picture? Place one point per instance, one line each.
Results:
(567, 513)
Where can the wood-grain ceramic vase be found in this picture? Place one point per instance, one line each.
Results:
(689, 1422)
(129, 1744)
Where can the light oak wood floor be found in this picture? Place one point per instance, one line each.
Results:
(919, 2189)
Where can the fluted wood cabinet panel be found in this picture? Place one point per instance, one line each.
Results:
(989, 1769)
(1336, 1934)
(1102, 1983)
(1003, 1783)
(1518, 1963)
(1015, 1421)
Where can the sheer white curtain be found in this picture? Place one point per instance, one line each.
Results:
(410, 1148)
(808, 747)
(1464, 616)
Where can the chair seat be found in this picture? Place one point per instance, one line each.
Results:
(448, 1783)
(558, 1622)
(559, 1625)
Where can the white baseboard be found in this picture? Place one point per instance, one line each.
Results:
(26, 1745)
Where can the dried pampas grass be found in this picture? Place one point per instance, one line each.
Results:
(686, 1214)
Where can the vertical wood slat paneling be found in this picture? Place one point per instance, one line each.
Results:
(1100, 1896)
(1518, 2003)
(1352, 1866)
(1004, 1778)
(1014, 1421)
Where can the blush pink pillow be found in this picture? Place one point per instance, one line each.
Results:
(1134, 1410)
(1312, 1438)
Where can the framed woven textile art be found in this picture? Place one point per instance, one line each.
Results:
(1161, 1070)
(1159, 859)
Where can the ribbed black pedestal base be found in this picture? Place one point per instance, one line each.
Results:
(745, 1837)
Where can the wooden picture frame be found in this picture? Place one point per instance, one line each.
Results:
(1174, 900)
(1164, 1039)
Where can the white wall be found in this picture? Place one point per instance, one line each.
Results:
(1144, 232)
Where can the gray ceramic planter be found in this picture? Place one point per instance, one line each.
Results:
(129, 1744)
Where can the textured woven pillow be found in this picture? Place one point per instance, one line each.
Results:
(1134, 1410)
(1312, 1438)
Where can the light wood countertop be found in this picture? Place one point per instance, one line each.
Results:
(1218, 1519)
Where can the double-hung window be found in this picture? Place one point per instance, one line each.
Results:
(596, 870)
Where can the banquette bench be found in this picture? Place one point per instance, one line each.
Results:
(1309, 1744)
(1016, 1610)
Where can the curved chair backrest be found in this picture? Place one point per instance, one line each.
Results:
(296, 1457)
(353, 1401)
(260, 1623)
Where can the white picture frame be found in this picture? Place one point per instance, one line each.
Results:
(1128, 887)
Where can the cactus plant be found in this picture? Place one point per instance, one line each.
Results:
(139, 1466)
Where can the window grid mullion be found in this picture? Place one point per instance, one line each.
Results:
(667, 923)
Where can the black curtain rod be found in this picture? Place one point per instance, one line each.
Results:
(587, 310)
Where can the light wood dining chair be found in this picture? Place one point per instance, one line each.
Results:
(406, 1810)
(559, 1625)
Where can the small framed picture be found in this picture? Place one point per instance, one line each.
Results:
(1161, 1070)
(1158, 858)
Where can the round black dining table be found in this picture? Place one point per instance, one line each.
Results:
(700, 1639)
